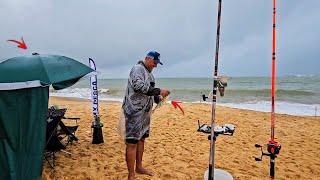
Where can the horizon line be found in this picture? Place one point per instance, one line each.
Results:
(188, 77)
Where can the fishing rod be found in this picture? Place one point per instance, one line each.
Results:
(219, 84)
(214, 98)
(273, 147)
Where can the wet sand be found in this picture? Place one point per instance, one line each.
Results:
(175, 150)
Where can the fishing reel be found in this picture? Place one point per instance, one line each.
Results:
(222, 84)
(226, 129)
(273, 149)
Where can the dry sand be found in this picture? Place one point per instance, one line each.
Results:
(175, 150)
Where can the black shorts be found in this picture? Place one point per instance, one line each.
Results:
(134, 141)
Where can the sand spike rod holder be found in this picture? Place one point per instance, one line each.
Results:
(218, 84)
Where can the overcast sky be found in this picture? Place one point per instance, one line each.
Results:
(118, 33)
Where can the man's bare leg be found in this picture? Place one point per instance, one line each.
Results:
(131, 152)
(139, 168)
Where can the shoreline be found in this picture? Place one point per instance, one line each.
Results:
(207, 103)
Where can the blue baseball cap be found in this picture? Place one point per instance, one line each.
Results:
(155, 56)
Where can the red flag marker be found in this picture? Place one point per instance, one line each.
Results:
(175, 105)
(21, 44)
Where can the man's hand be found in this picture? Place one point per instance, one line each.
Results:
(164, 92)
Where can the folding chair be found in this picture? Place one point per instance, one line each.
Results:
(66, 133)
(53, 143)
(57, 131)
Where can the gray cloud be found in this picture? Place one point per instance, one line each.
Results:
(119, 33)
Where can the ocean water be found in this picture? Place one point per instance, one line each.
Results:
(295, 95)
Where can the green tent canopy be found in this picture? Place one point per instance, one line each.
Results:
(24, 95)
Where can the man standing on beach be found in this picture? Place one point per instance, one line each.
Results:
(137, 106)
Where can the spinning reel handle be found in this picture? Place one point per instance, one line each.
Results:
(257, 146)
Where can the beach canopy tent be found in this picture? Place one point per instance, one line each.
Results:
(24, 94)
